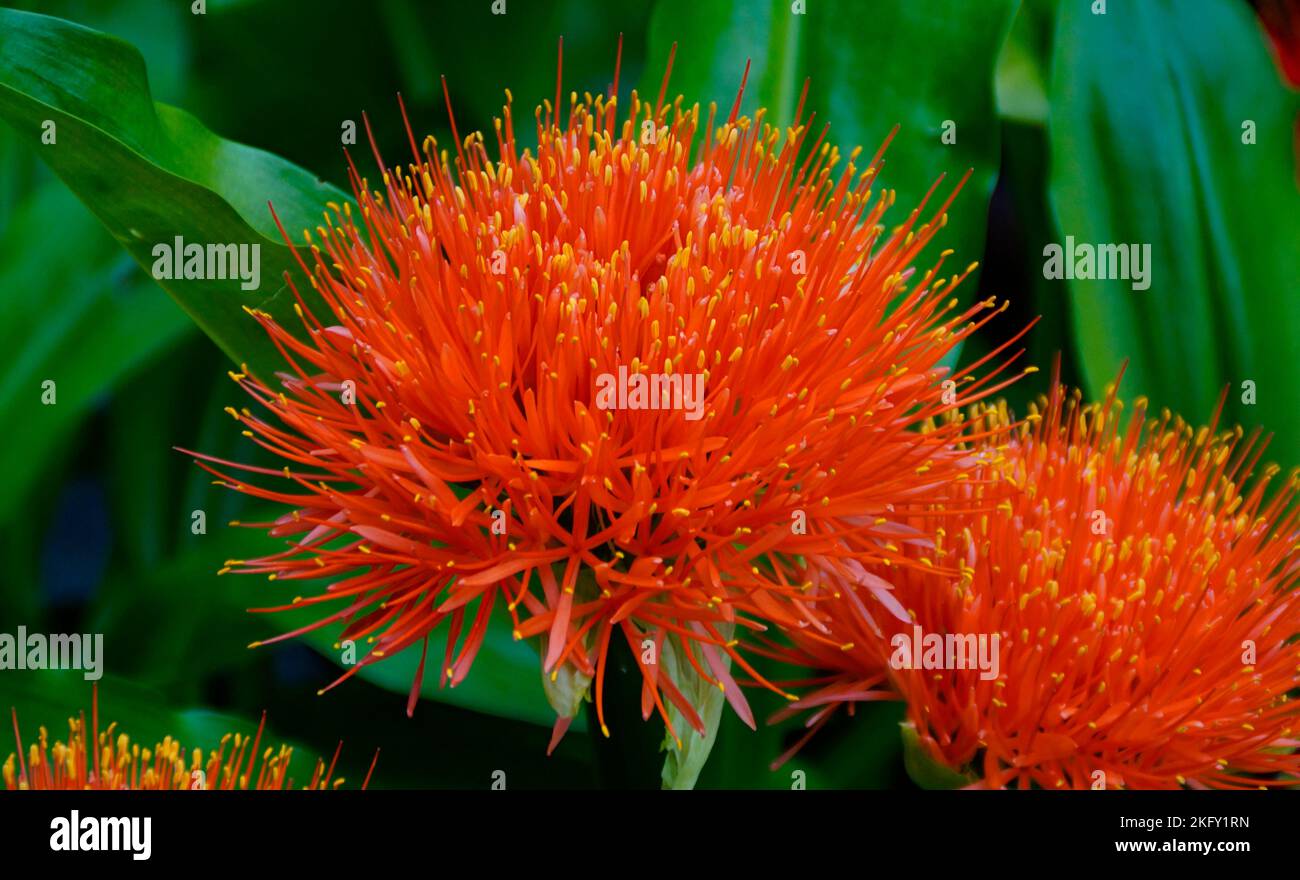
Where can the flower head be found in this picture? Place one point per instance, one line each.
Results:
(1142, 595)
(635, 383)
(113, 762)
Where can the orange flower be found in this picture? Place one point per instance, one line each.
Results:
(461, 422)
(116, 763)
(1140, 598)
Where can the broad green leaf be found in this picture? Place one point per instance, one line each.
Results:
(152, 173)
(85, 323)
(872, 66)
(18, 167)
(503, 681)
(158, 30)
(1150, 108)
(1021, 75)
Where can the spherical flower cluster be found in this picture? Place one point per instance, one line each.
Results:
(637, 383)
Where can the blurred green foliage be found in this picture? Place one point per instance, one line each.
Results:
(1124, 127)
(1169, 164)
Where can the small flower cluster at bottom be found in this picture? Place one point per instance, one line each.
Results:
(115, 763)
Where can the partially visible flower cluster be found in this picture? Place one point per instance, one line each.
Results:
(108, 760)
(1110, 607)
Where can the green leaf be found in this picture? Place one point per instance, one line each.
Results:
(924, 770)
(152, 172)
(872, 66)
(1021, 76)
(74, 311)
(505, 679)
(1148, 105)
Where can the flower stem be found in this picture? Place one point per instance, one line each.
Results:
(630, 757)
